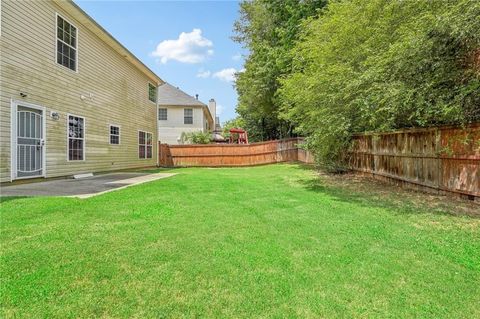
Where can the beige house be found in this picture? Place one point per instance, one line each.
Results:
(73, 99)
(180, 113)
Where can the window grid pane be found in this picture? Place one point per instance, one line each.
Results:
(144, 145)
(188, 116)
(162, 114)
(149, 138)
(152, 93)
(75, 138)
(114, 135)
(114, 139)
(66, 44)
(149, 151)
(141, 151)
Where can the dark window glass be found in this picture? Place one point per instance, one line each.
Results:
(162, 114)
(188, 116)
(152, 93)
(76, 141)
(66, 44)
(149, 138)
(141, 151)
(114, 134)
(114, 139)
(145, 147)
(149, 151)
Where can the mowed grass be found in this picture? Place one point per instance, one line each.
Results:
(263, 242)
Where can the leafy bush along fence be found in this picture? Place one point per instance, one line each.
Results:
(216, 155)
(443, 159)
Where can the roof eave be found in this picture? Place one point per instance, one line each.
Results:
(76, 12)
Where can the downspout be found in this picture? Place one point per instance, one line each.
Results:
(156, 133)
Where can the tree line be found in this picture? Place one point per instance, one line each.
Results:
(327, 69)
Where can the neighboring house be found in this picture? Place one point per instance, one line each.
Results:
(179, 112)
(73, 99)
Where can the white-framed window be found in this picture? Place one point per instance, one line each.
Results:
(76, 138)
(114, 134)
(152, 93)
(187, 116)
(145, 147)
(163, 114)
(67, 40)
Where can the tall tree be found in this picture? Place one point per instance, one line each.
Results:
(380, 65)
(268, 29)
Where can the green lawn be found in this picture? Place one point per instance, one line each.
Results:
(271, 242)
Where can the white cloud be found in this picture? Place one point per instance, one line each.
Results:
(236, 57)
(227, 75)
(203, 74)
(219, 109)
(190, 47)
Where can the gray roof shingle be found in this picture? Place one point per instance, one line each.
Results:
(170, 95)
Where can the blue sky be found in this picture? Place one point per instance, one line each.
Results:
(187, 43)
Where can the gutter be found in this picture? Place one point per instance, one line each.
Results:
(117, 46)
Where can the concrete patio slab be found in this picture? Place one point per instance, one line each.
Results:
(82, 188)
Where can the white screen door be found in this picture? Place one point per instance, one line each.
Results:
(29, 142)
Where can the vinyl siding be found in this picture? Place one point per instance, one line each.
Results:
(119, 89)
(170, 130)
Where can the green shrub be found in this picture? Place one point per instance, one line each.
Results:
(372, 65)
(196, 138)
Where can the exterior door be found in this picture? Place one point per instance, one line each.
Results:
(29, 157)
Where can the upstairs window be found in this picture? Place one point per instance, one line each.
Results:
(152, 92)
(144, 144)
(114, 135)
(187, 116)
(66, 44)
(162, 114)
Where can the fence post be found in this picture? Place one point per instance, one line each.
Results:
(438, 151)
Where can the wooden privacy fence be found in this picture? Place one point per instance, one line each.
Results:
(445, 159)
(216, 155)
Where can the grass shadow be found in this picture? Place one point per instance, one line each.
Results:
(4, 199)
(378, 194)
(156, 170)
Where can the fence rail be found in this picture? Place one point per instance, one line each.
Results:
(445, 159)
(217, 155)
(442, 159)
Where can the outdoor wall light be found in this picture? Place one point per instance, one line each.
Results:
(55, 116)
(89, 96)
(23, 94)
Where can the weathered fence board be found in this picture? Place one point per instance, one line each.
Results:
(444, 159)
(215, 155)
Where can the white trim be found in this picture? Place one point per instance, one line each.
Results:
(148, 92)
(138, 145)
(157, 133)
(110, 134)
(56, 44)
(13, 135)
(84, 137)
